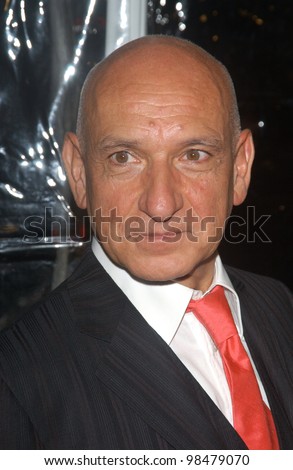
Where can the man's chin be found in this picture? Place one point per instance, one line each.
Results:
(196, 273)
(158, 271)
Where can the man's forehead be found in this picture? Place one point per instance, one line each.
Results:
(135, 111)
(181, 99)
(158, 78)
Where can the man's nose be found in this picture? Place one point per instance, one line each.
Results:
(161, 197)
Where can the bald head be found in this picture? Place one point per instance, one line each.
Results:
(159, 58)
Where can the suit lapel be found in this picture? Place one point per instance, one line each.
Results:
(139, 367)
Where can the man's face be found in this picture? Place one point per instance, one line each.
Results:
(159, 175)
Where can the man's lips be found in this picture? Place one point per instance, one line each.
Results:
(164, 232)
(161, 235)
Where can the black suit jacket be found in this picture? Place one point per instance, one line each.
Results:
(85, 371)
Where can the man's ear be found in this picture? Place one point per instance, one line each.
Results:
(75, 170)
(242, 166)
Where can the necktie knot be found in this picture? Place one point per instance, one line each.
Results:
(214, 313)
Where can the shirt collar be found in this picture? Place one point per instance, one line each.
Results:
(163, 305)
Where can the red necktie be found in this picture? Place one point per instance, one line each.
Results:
(251, 417)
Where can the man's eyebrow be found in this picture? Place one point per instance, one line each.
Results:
(110, 142)
(206, 141)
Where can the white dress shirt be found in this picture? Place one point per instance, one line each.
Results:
(163, 307)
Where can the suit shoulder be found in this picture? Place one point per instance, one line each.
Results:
(51, 324)
(55, 301)
(38, 327)
(255, 280)
(262, 288)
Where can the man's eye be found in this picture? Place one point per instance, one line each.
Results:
(122, 157)
(195, 155)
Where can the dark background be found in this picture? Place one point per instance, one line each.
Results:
(253, 38)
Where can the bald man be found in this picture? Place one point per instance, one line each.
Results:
(114, 359)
